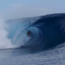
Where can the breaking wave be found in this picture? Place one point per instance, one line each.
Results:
(41, 32)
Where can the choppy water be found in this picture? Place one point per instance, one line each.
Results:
(55, 56)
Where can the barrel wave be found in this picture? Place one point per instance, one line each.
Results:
(41, 32)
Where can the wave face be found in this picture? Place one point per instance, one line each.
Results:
(17, 30)
(41, 32)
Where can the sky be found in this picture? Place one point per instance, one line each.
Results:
(7, 3)
(12, 9)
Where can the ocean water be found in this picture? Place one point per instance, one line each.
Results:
(55, 56)
(45, 46)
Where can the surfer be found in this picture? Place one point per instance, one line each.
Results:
(29, 33)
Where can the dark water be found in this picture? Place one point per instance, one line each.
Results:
(14, 52)
(4, 53)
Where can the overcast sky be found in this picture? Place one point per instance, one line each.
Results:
(10, 9)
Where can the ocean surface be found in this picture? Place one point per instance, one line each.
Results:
(45, 44)
(55, 56)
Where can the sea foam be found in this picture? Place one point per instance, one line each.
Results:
(4, 41)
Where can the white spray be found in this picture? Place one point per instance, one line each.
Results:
(4, 41)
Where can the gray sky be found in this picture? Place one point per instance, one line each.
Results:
(10, 9)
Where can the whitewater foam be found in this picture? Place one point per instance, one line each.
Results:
(4, 41)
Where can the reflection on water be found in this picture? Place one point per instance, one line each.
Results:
(16, 52)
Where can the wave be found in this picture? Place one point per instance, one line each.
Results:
(38, 32)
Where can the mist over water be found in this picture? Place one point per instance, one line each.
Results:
(4, 41)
